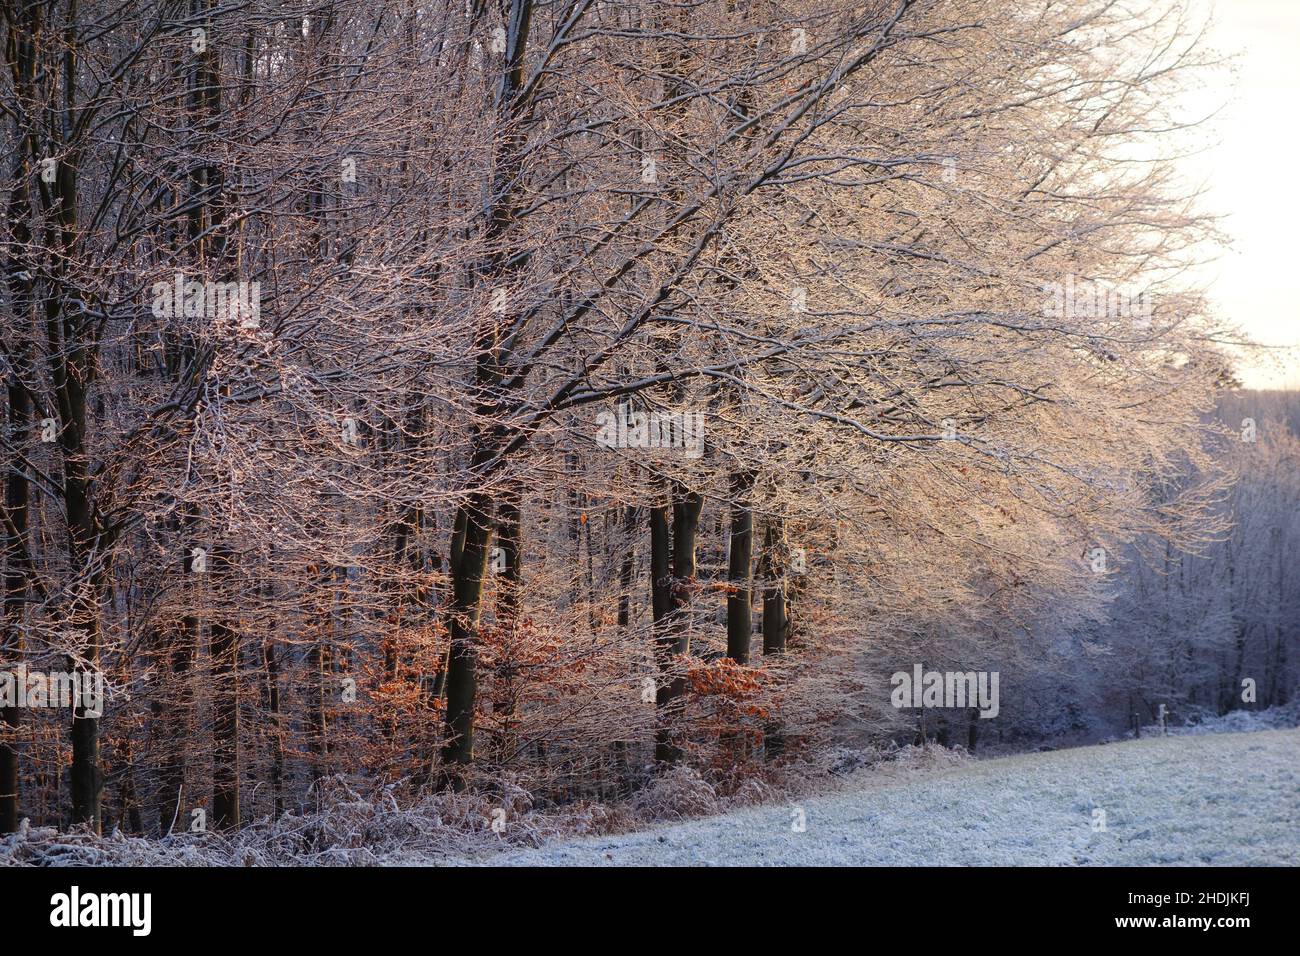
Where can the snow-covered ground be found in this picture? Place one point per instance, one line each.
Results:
(1211, 799)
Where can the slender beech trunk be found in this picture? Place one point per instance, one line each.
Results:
(775, 619)
(271, 677)
(73, 345)
(510, 592)
(628, 569)
(740, 622)
(412, 611)
(16, 489)
(626, 574)
(225, 709)
(86, 779)
(174, 709)
(674, 632)
(15, 594)
(438, 690)
(661, 583)
(85, 547)
(462, 658)
(130, 813)
(660, 565)
(319, 667)
(491, 360)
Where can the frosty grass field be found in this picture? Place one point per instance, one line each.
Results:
(1211, 799)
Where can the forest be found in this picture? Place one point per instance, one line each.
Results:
(552, 400)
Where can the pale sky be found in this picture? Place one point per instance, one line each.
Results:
(1252, 173)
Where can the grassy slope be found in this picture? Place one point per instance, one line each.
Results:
(1215, 799)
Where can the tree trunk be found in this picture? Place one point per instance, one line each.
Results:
(271, 677)
(674, 634)
(775, 619)
(15, 589)
(225, 709)
(16, 491)
(475, 514)
(173, 710)
(510, 591)
(86, 779)
(740, 622)
(467, 576)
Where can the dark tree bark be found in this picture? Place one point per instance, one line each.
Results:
(86, 779)
(19, 420)
(740, 622)
(628, 569)
(776, 622)
(319, 667)
(660, 566)
(174, 711)
(673, 632)
(271, 677)
(462, 658)
(509, 597)
(491, 364)
(225, 711)
(15, 594)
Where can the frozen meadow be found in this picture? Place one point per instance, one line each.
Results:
(1194, 799)
(1225, 793)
